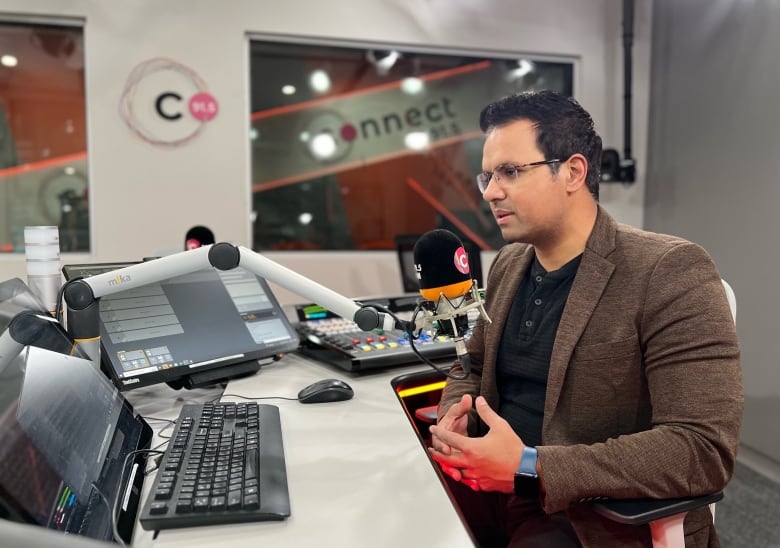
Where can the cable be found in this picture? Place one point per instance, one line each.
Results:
(409, 332)
(218, 398)
(114, 529)
(163, 429)
(60, 294)
(113, 509)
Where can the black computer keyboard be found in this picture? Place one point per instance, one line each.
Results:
(224, 464)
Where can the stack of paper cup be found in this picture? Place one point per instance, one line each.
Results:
(42, 250)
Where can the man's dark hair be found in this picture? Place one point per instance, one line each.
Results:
(563, 127)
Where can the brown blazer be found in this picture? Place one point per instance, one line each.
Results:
(644, 394)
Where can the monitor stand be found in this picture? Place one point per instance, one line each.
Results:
(222, 374)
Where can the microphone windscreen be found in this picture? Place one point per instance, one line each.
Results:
(442, 265)
(198, 236)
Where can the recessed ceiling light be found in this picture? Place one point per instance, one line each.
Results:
(323, 146)
(412, 85)
(288, 89)
(417, 140)
(9, 60)
(319, 81)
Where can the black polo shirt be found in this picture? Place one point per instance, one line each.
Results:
(523, 360)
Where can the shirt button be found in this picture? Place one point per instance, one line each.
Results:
(528, 323)
(538, 278)
(537, 302)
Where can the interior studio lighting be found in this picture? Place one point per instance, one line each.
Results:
(288, 89)
(524, 66)
(305, 218)
(412, 85)
(323, 146)
(385, 63)
(9, 60)
(319, 81)
(417, 140)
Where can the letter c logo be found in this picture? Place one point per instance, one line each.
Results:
(461, 261)
(158, 105)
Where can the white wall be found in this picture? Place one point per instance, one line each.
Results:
(145, 198)
(714, 176)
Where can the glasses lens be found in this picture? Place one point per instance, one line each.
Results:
(507, 172)
(483, 179)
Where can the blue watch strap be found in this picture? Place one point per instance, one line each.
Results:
(528, 462)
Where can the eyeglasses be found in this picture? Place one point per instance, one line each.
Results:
(507, 172)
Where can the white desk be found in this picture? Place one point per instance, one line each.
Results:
(357, 473)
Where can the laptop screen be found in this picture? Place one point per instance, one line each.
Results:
(65, 430)
(189, 330)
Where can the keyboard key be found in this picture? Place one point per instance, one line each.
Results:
(251, 502)
(218, 503)
(200, 504)
(158, 508)
(250, 464)
(234, 500)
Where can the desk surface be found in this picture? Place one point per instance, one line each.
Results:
(357, 473)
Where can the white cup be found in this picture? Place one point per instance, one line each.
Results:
(42, 251)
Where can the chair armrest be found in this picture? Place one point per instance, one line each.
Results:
(640, 511)
(428, 415)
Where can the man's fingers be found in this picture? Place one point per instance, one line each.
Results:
(448, 437)
(440, 447)
(474, 484)
(488, 416)
(452, 472)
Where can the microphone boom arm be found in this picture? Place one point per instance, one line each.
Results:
(82, 296)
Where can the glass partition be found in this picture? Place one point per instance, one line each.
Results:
(354, 146)
(43, 141)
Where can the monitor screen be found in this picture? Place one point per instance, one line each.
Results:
(190, 330)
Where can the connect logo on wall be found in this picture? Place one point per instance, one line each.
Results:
(329, 136)
(166, 103)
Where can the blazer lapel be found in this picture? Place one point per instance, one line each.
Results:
(588, 286)
(498, 314)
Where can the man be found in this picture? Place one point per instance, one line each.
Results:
(611, 368)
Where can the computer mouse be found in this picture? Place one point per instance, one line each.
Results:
(326, 390)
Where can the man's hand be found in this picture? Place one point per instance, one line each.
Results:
(487, 463)
(455, 420)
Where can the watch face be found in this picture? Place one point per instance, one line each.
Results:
(526, 486)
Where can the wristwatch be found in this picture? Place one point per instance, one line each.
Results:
(526, 478)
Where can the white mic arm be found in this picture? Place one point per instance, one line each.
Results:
(82, 296)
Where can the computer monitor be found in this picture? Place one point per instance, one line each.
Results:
(404, 245)
(192, 330)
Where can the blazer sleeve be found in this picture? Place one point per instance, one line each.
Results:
(691, 362)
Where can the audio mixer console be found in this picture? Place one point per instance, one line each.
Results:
(331, 339)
